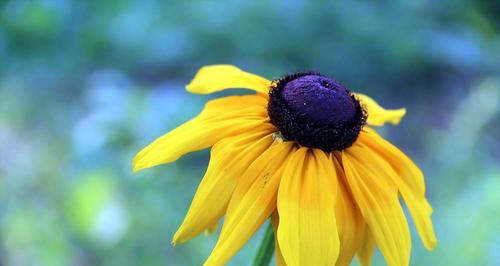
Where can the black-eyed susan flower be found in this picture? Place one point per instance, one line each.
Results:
(299, 150)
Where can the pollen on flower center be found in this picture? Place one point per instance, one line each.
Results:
(315, 111)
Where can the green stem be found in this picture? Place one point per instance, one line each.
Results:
(266, 249)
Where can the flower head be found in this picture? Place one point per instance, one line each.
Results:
(315, 111)
(301, 151)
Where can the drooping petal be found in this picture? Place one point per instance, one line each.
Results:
(275, 220)
(377, 197)
(307, 232)
(377, 115)
(410, 182)
(214, 78)
(219, 119)
(350, 223)
(365, 252)
(230, 158)
(252, 202)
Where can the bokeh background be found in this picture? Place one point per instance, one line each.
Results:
(85, 84)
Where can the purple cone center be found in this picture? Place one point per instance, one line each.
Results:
(315, 111)
(319, 99)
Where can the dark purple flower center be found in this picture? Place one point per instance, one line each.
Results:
(315, 111)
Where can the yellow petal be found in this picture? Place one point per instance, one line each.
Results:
(307, 232)
(410, 182)
(230, 158)
(214, 78)
(365, 252)
(210, 230)
(253, 201)
(220, 118)
(275, 220)
(403, 165)
(349, 220)
(377, 197)
(377, 115)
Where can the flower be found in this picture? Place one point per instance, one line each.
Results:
(299, 150)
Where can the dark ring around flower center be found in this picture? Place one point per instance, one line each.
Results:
(315, 111)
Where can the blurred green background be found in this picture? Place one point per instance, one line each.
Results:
(85, 84)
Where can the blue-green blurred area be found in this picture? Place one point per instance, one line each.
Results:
(85, 84)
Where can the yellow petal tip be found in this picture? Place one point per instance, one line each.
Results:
(213, 78)
(175, 240)
(191, 88)
(431, 245)
(136, 165)
(393, 116)
(135, 169)
(142, 161)
(398, 115)
(179, 237)
(378, 115)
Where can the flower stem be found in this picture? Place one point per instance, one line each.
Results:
(266, 249)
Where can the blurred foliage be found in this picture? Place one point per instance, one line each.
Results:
(85, 84)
